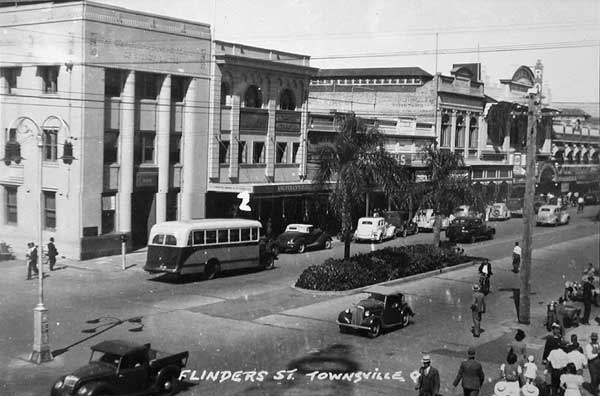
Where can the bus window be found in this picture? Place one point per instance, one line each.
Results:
(158, 239)
(198, 237)
(255, 234)
(210, 237)
(245, 234)
(170, 240)
(234, 235)
(223, 236)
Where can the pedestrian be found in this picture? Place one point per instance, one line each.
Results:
(530, 390)
(588, 297)
(471, 374)
(485, 273)
(428, 383)
(553, 341)
(530, 370)
(591, 352)
(510, 373)
(574, 344)
(519, 347)
(576, 356)
(580, 204)
(516, 258)
(31, 260)
(570, 381)
(477, 309)
(557, 361)
(51, 253)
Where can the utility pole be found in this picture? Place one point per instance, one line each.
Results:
(533, 112)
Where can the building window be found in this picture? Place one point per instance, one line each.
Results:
(258, 153)
(144, 148)
(49, 75)
(281, 155)
(460, 132)
(50, 144)
(473, 133)
(147, 85)
(242, 155)
(477, 173)
(287, 101)
(109, 206)
(225, 92)
(113, 83)
(10, 74)
(445, 132)
(295, 147)
(111, 147)
(224, 152)
(179, 86)
(49, 210)
(11, 204)
(253, 97)
(175, 148)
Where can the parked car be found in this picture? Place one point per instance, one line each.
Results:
(384, 308)
(590, 198)
(374, 229)
(469, 229)
(299, 237)
(552, 214)
(402, 222)
(466, 211)
(515, 205)
(123, 368)
(425, 218)
(499, 211)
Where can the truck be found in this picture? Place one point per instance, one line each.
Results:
(118, 367)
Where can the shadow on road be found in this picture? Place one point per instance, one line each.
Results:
(192, 278)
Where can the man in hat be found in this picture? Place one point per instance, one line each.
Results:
(31, 260)
(471, 375)
(477, 309)
(591, 352)
(51, 253)
(588, 297)
(428, 383)
(553, 341)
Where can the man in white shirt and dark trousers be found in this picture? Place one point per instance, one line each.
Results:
(558, 360)
(516, 257)
(591, 352)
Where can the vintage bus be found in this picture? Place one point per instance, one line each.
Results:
(207, 246)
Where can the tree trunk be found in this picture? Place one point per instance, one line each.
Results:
(346, 226)
(437, 229)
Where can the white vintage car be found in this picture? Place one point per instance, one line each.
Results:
(552, 214)
(499, 211)
(425, 219)
(373, 229)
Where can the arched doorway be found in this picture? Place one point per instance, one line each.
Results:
(287, 100)
(253, 97)
(546, 183)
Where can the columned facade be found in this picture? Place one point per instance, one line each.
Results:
(126, 144)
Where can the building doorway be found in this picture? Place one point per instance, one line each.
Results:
(143, 217)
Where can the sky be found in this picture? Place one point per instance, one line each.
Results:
(565, 35)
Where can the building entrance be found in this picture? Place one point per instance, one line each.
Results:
(143, 217)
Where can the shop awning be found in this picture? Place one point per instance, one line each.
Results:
(269, 188)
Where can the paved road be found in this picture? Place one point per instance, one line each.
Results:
(255, 321)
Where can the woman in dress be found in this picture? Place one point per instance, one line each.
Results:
(519, 347)
(571, 382)
(511, 373)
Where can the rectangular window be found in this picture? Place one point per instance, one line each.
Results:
(224, 152)
(281, 155)
(234, 235)
(258, 155)
(109, 206)
(198, 237)
(245, 234)
(175, 148)
(50, 144)
(210, 237)
(477, 174)
(111, 147)
(113, 83)
(11, 205)
(49, 210)
(504, 173)
(147, 148)
(242, 155)
(295, 148)
(223, 236)
(49, 75)
(10, 74)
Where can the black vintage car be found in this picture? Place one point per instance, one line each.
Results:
(123, 368)
(300, 237)
(469, 229)
(384, 308)
(401, 220)
(590, 198)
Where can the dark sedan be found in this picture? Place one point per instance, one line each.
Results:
(590, 198)
(300, 237)
(469, 229)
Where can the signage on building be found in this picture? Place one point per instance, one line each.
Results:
(287, 121)
(146, 179)
(253, 120)
(538, 74)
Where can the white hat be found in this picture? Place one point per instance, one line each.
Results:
(530, 390)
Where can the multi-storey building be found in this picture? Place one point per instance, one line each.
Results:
(129, 92)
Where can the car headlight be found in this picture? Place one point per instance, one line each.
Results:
(59, 384)
(82, 391)
(367, 314)
(347, 311)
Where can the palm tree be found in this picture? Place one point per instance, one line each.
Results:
(446, 187)
(353, 163)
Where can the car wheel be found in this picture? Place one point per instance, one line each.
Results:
(375, 329)
(416, 230)
(343, 329)
(211, 269)
(328, 244)
(168, 385)
(404, 233)
(472, 239)
(301, 248)
(405, 319)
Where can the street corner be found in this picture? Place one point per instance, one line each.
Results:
(23, 377)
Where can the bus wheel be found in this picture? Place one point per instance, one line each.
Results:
(211, 269)
(269, 263)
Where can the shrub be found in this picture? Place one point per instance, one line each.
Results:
(382, 265)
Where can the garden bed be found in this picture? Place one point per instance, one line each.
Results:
(383, 265)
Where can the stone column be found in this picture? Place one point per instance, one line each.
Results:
(301, 155)
(126, 147)
(234, 145)
(270, 141)
(482, 136)
(163, 133)
(467, 140)
(453, 131)
(214, 124)
(188, 137)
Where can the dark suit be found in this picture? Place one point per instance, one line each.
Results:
(429, 384)
(552, 342)
(471, 374)
(587, 300)
(477, 309)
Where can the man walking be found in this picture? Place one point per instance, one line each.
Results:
(588, 296)
(51, 253)
(580, 204)
(516, 257)
(31, 260)
(428, 383)
(471, 374)
(591, 352)
(477, 309)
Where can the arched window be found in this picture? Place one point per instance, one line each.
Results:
(460, 132)
(445, 137)
(253, 97)
(225, 92)
(473, 133)
(287, 100)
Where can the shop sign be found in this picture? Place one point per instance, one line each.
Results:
(253, 120)
(146, 179)
(287, 121)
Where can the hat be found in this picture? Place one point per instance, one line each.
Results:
(426, 359)
(530, 390)
(555, 325)
(476, 287)
(594, 335)
(471, 351)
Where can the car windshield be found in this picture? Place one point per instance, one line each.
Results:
(106, 358)
(377, 296)
(544, 210)
(366, 222)
(460, 221)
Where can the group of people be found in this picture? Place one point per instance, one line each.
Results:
(32, 258)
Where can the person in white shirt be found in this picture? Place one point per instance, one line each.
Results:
(530, 373)
(516, 256)
(580, 204)
(558, 360)
(591, 352)
(577, 358)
